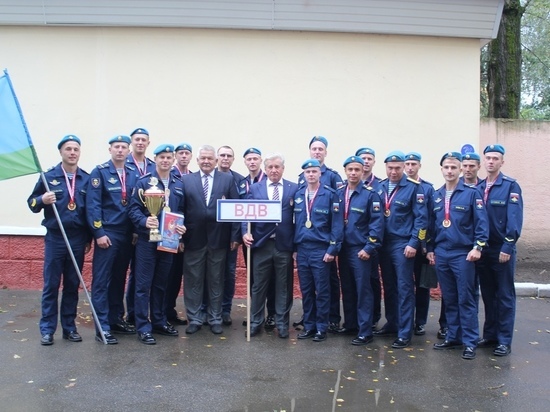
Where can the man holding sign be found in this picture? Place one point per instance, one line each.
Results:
(272, 246)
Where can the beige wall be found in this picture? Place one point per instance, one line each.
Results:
(273, 90)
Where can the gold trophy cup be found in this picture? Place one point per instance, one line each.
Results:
(153, 199)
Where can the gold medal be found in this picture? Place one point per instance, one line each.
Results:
(308, 224)
(446, 223)
(71, 206)
(387, 213)
(167, 208)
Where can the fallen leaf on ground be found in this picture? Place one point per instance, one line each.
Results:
(496, 387)
(16, 357)
(533, 343)
(70, 385)
(339, 400)
(350, 378)
(20, 330)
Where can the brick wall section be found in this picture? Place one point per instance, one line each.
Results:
(21, 266)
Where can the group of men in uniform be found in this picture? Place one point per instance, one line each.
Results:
(342, 233)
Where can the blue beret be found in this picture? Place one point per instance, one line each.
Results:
(413, 156)
(494, 148)
(68, 138)
(311, 163)
(395, 156)
(353, 159)
(252, 150)
(164, 148)
(471, 156)
(451, 155)
(319, 139)
(365, 150)
(140, 130)
(183, 146)
(123, 139)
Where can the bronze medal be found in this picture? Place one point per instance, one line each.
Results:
(387, 213)
(308, 224)
(71, 206)
(124, 202)
(345, 221)
(446, 223)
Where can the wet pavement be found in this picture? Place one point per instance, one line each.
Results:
(207, 372)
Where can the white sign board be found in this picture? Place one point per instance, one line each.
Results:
(241, 210)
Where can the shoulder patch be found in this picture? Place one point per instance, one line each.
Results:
(95, 182)
(420, 198)
(330, 189)
(103, 166)
(510, 179)
(514, 197)
(97, 224)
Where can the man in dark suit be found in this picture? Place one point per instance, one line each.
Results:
(206, 241)
(272, 246)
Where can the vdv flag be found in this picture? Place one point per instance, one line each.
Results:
(17, 153)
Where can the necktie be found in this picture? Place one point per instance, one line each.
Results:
(205, 188)
(275, 191)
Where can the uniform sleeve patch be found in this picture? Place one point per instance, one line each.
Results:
(376, 206)
(33, 203)
(479, 203)
(97, 224)
(514, 197)
(95, 182)
(336, 207)
(420, 198)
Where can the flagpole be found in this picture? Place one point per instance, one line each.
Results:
(55, 211)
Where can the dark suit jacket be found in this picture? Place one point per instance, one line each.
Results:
(284, 231)
(200, 219)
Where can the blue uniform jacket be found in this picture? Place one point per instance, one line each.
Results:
(245, 183)
(329, 178)
(284, 231)
(326, 218)
(428, 197)
(72, 220)
(149, 166)
(104, 207)
(137, 210)
(505, 210)
(365, 220)
(469, 224)
(408, 218)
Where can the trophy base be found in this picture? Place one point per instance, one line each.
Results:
(155, 236)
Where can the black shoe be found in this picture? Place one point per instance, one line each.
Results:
(123, 328)
(346, 331)
(447, 344)
(166, 330)
(111, 340)
(147, 338)
(333, 327)
(299, 323)
(384, 332)
(192, 328)
(46, 339)
(244, 323)
(362, 340)
(283, 333)
(469, 353)
(320, 337)
(400, 343)
(178, 321)
(487, 343)
(72, 336)
(269, 323)
(131, 321)
(254, 330)
(502, 350)
(420, 330)
(442, 333)
(226, 319)
(306, 334)
(216, 329)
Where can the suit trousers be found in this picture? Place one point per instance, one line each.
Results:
(268, 264)
(204, 268)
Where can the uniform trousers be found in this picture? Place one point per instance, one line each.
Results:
(457, 281)
(499, 295)
(357, 296)
(398, 278)
(314, 277)
(57, 262)
(109, 269)
(421, 295)
(152, 275)
(174, 286)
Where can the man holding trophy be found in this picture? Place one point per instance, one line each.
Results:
(154, 197)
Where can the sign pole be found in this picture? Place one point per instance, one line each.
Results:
(248, 292)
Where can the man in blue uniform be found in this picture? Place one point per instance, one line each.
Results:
(363, 233)
(504, 204)
(67, 190)
(318, 150)
(272, 247)
(471, 164)
(142, 165)
(413, 163)
(184, 154)
(109, 193)
(406, 223)
(458, 232)
(153, 266)
(318, 237)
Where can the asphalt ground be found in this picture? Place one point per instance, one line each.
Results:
(207, 372)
